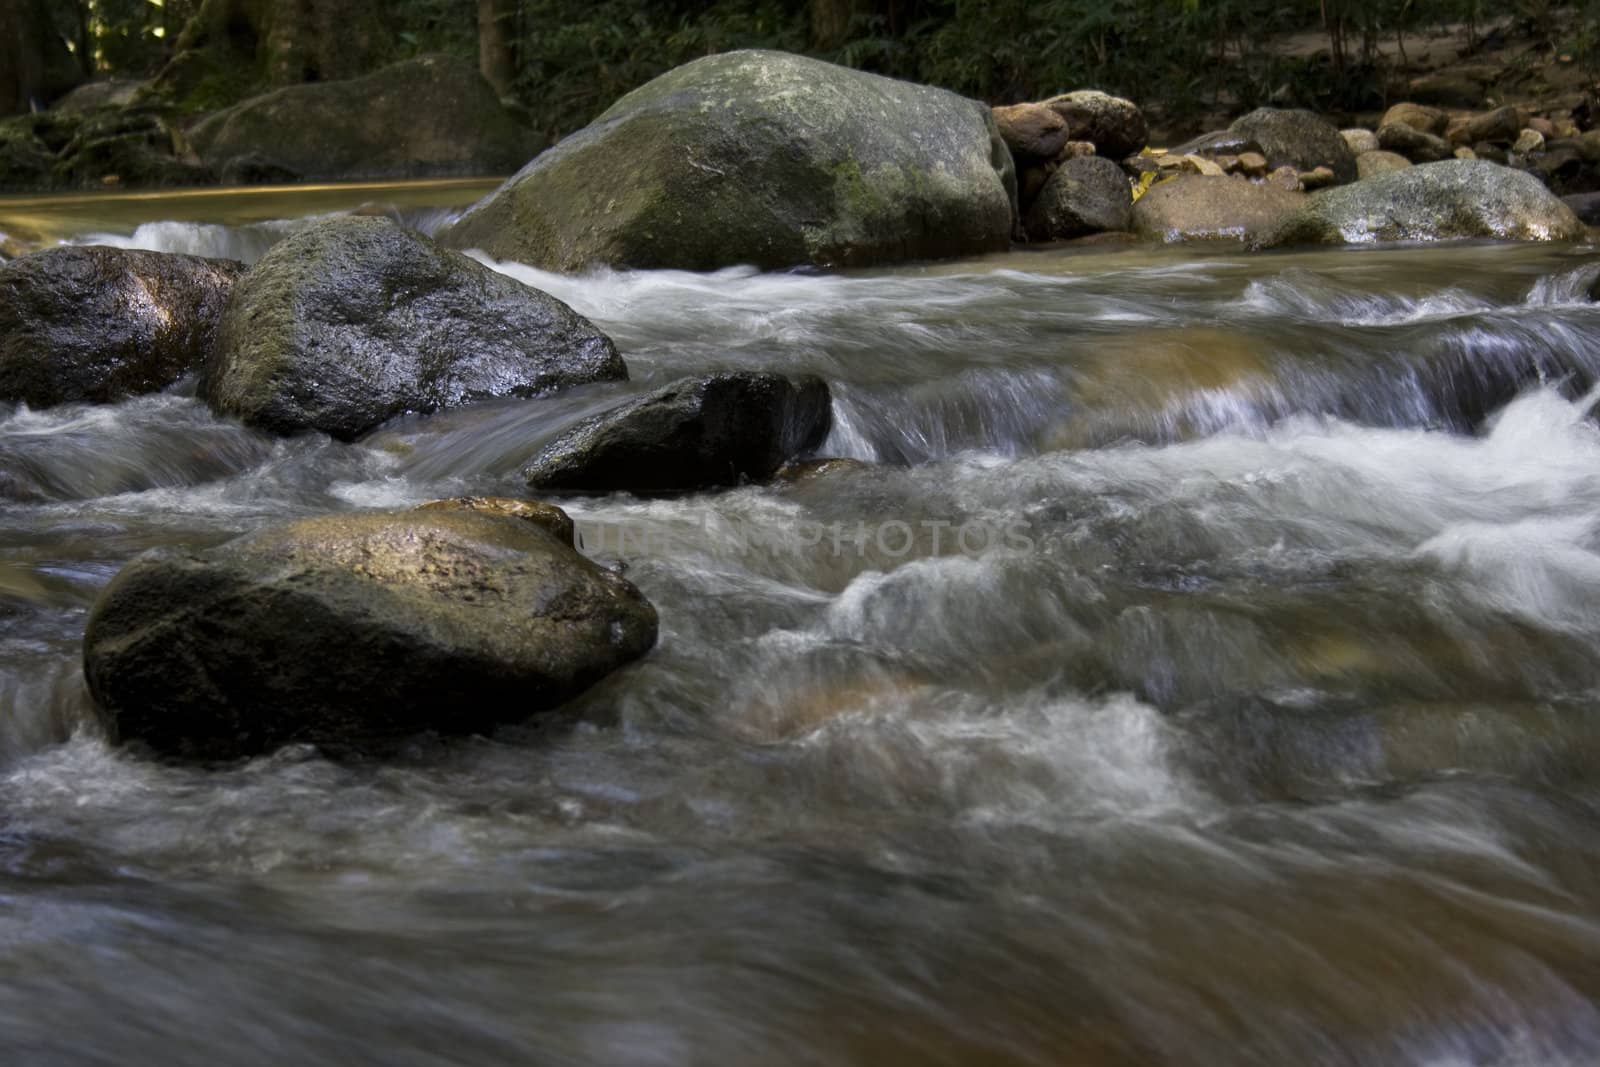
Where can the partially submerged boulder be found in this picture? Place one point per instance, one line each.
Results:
(1083, 196)
(764, 158)
(87, 323)
(1116, 126)
(1197, 207)
(355, 629)
(355, 320)
(700, 433)
(432, 116)
(1432, 202)
(1299, 139)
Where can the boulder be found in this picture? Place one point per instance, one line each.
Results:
(1449, 88)
(25, 161)
(426, 117)
(1417, 116)
(764, 158)
(1033, 132)
(1414, 144)
(1086, 195)
(1500, 126)
(1431, 202)
(1116, 126)
(354, 630)
(1201, 208)
(1369, 164)
(99, 324)
(1359, 141)
(115, 92)
(352, 321)
(1299, 139)
(699, 433)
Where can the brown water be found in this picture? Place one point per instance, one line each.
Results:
(1244, 713)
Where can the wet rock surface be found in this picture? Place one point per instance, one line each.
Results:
(353, 631)
(356, 319)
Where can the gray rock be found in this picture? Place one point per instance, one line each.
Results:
(427, 117)
(354, 630)
(355, 320)
(699, 433)
(1299, 139)
(1431, 202)
(1087, 195)
(99, 324)
(1116, 126)
(1586, 206)
(1369, 164)
(764, 158)
(1197, 207)
(1414, 144)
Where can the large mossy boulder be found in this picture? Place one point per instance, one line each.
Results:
(431, 116)
(99, 324)
(758, 157)
(357, 319)
(352, 630)
(700, 433)
(1202, 207)
(1299, 139)
(1432, 202)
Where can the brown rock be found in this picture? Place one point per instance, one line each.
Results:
(1031, 131)
(547, 517)
(1529, 140)
(1465, 153)
(1319, 177)
(1196, 207)
(1380, 162)
(1253, 164)
(1416, 145)
(1116, 126)
(1500, 126)
(1417, 116)
(1360, 140)
(1286, 178)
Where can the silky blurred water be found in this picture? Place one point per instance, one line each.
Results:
(1199, 667)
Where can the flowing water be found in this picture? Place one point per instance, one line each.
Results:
(1202, 666)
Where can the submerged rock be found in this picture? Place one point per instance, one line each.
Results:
(427, 117)
(1299, 139)
(763, 158)
(1432, 202)
(700, 433)
(87, 323)
(1198, 207)
(1083, 196)
(354, 629)
(355, 320)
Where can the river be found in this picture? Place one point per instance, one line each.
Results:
(1200, 667)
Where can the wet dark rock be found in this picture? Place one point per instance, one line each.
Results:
(1416, 145)
(355, 320)
(100, 324)
(1217, 143)
(253, 168)
(699, 433)
(427, 117)
(1087, 195)
(128, 160)
(764, 158)
(1586, 206)
(1431, 202)
(25, 161)
(354, 630)
(1449, 88)
(1198, 207)
(1299, 139)
(1116, 126)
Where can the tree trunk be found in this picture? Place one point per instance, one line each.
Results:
(496, 60)
(830, 22)
(35, 66)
